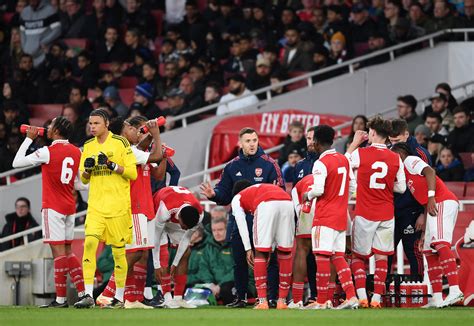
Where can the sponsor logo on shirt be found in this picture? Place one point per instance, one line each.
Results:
(301, 174)
(238, 174)
(409, 230)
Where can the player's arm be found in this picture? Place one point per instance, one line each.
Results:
(319, 176)
(162, 216)
(78, 184)
(222, 192)
(173, 171)
(128, 170)
(156, 154)
(183, 245)
(416, 165)
(400, 184)
(86, 165)
(275, 176)
(296, 200)
(158, 171)
(354, 158)
(39, 157)
(360, 136)
(239, 215)
(352, 182)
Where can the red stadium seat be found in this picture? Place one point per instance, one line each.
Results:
(105, 66)
(158, 15)
(299, 84)
(457, 187)
(77, 43)
(463, 221)
(469, 189)
(40, 113)
(467, 160)
(127, 82)
(7, 17)
(126, 94)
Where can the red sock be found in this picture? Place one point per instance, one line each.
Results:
(140, 279)
(358, 270)
(109, 291)
(164, 255)
(166, 283)
(380, 276)
(297, 289)
(323, 273)
(75, 272)
(344, 275)
(260, 275)
(129, 293)
(285, 268)
(448, 262)
(180, 284)
(435, 272)
(60, 275)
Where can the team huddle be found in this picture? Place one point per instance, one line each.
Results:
(117, 164)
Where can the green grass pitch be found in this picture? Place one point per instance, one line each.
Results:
(32, 316)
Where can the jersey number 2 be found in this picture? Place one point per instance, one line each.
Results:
(66, 171)
(378, 175)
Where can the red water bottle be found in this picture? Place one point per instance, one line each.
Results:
(167, 151)
(160, 121)
(24, 128)
(307, 206)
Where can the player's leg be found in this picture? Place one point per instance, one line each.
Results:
(74, 265)
(130, 285)
(162, 274)
(446, 220)
(140, 272)
(303, 247)
(180, 279)
(60, 273)
(260, 275)
(398, 235)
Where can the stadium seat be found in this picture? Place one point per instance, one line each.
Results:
(158, 15)
(77, 43)
(469, 190)
(105, 66)
(299, 84)
(463, 221)
(40, 113)
(7, 17)
(126, 94)
(127, 82)
(457, 187)
(467, 160)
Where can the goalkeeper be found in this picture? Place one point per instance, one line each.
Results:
(108, 164)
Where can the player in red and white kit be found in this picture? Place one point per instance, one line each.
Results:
(274, 223)
(333, 181)
(59, 166)
(380, 174)
(304, 212)
(178, 214)
(442, 207)
(143, 213)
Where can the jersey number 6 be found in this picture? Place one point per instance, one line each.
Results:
(66, 171)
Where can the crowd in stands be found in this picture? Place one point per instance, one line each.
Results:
(138, 57)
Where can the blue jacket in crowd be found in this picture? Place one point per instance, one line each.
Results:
(304, 167)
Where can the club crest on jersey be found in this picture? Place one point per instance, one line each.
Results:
(258, 172)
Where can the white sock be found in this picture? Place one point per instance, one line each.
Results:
(437, 297)
(376, 297)
(147, 293)
(168, 296)
(89, 289)
(119, 294)
(454, 289)
(60, 299)
(159, 288)
(178, 297)
(361, 294)
(81, 294)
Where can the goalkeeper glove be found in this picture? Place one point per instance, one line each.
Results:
(89, 164)
(102, 159)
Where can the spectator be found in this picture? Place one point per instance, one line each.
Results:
(8, 152)
(235, 63)
(260, 77)
(10, 94)
(461, 138)
(294, 57)
(3, 136)
(78, 134)
(295, 136)
(239, 96)
(99, 20)
(319, 20)
(249, 54)
(422, 134)
(11, 57)
(358, 123)
(197, 73)
(338, 53)
(211, 96)
(435, 145)
(433, 121)
(406, 106)
(469, 14)
(87, 71)
(111, 48)
(12, 117)
(35, 38)
(418, 17)
(112, 98)
(132, 43)
(288, 169)
(20, 6)
(170, 80)
(55, 88)
(336, 21)
(276, 78)
(78, 97)
(135, 110)
(167, 53)
(449, 168)
(193, 26)
(307, 13)
(73, 21)
(218, 213)
(362, 28)
(443, 17)
(446, 90)
(192, 96)
(17, 222)
(439, 103)
(184, 62)
(144, 96)
(138, 17)
(27, 79)
(271, 53)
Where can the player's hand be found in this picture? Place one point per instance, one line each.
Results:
(250, 259)
(420, 223)
(431, 206)
(360, 136)
(89, 164)
(32, 132)
(102, 159)
(159, 273)
(207, 190)
(421, 242)
(172, 270)
(216, 289)
(305, 197)
(153, 127)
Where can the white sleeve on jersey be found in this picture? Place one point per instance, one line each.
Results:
(415, 165)
(78, 185)
(352, 182)
(39, 157)
(319, 176)
(354, 158)
(400, 185)
(141, 156)
(296, 201)
(183, 245)
(239, 215)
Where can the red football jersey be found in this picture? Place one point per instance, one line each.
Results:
(252, 196)
(418, 186)
(59, 175)
(302, 186)
(174, 198)
(377, 171)
(140, 193)
(334, 172)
